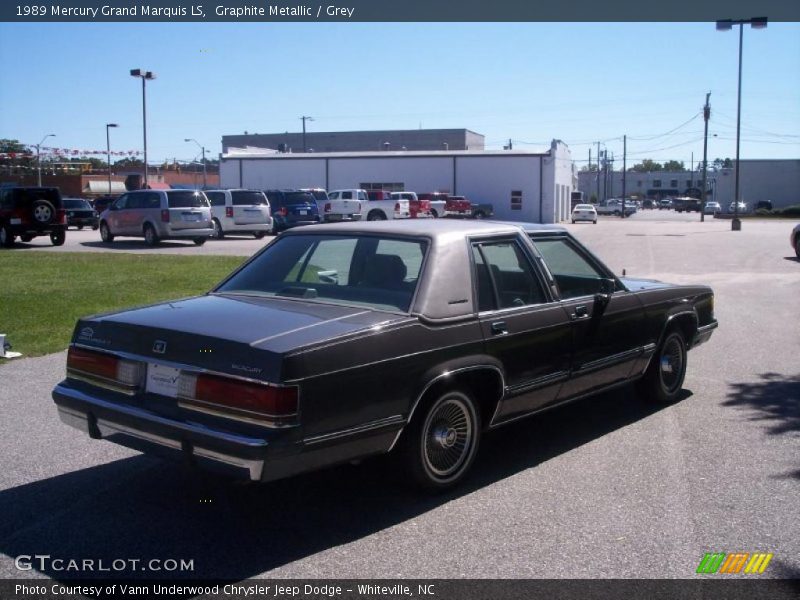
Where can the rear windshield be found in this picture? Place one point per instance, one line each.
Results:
(371, 271)
(299, 198)
(76, 203)
(248, 198)
(320, 195)
(186, 199)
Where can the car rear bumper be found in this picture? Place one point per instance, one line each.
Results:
(341, 217)
(187, 233)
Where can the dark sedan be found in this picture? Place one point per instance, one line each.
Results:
(80, 213)
(333, 344)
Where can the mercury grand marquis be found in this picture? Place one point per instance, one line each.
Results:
(336, 343)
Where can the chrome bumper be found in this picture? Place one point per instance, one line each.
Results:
(129, 425)
(704, 333)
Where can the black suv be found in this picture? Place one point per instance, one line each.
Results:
(31, 211)
(292, 207)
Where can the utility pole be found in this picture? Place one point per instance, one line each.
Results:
(304, 119)
(624, 157)
(510, 144)
(598, 172)
(706, 115)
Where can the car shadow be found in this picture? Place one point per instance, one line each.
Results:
(792, 259)
(127, 245)
(143, 508)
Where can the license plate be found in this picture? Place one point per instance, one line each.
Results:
(302, 212)
(191, 218)
(162, 380)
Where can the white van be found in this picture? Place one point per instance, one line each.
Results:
(240, 211)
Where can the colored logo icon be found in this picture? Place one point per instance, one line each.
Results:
(737, 562)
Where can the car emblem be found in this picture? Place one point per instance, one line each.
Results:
(159, 347)
(87, 332)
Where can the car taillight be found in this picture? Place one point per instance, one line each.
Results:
(396, 207)
(327, 207)
(238, 399)
(229, 212)
(283, 212)
(104, 369)
(165, 216)
(62, 216)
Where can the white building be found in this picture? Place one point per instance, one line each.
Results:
(522, 186)
(776, 180)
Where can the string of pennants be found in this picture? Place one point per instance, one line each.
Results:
(67, 152)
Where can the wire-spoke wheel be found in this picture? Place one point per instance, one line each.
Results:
(442, 442)
(663, 380)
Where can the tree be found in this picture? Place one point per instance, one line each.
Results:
(128, 163)
(8, 146)
(590, 168)
(720, 163)
(674, 165)
(647, 166)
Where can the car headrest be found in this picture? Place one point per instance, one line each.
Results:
(384, 271)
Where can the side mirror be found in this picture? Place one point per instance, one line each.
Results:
(603, 295)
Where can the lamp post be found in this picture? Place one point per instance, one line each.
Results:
(108, 151)
(304, 119)
(203, 150)
(39, 157)
(144, 75)
(726, 25)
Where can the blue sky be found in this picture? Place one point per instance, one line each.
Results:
(531, 82)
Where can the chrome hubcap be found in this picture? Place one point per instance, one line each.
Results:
(448, 437)
(42, 214)
(671, 364)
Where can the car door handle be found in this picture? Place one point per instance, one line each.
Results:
(499, 328)
(581, 312)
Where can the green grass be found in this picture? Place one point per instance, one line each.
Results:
(43, 294)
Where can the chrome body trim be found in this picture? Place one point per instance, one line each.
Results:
(103, 382)
(366, 427)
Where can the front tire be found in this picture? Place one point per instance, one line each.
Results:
(797, 246)
(376, 215)
(442, 442)
(663, 381)
(434, 214)
(199, 241)
(6, 237)
(218, 233)
(259, 234)
(105, 233)
(480, 215)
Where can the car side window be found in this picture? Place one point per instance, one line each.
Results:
(333, 196)
(574, 274)
(122, 201)
(505, 277)
(362, 196)
(347, 195)
(216, 198)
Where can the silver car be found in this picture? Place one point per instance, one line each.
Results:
(158, 215)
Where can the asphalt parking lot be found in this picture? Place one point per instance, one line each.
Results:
(606, 488)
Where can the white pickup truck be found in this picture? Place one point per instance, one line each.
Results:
(382, 206)
(614, 207)
(343, 205)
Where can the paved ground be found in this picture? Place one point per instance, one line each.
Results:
(608, 487)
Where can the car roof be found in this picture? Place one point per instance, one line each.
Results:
(427, 227)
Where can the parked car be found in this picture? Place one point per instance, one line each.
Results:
(417, 209)
(457, 206)
(239, 212)
(335, 343)
(291, 208)
(741, 209)
(665, 204)
(320, 195)
(686, 203)
(763, 205)
(794, 239)
(158, 215)
(437, 200)
(584, 212)
(80, 213)
(614, 207)
(647, 203)
(482, 210)
(28, 212)
(344, 205)
(712, 208)
(102, 203)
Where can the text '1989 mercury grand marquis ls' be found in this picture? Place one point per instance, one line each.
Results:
(336, 343)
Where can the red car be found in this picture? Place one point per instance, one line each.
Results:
(457, 206)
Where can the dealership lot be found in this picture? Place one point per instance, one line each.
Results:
(607, 487)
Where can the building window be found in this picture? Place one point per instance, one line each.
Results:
(516, 200)
(656, 183)
(688, 183)
(639, 183)
(673, 183)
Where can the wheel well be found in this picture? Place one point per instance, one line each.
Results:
(485, 385)
(376, 211)
(685, 324)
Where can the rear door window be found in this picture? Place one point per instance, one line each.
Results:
(186, 199)
(248, 198)
(216, 198)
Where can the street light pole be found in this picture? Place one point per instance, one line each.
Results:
(725, 25)
(39, 157)
(144, 75)
(203, 151)
(703, 195)
(108, 151)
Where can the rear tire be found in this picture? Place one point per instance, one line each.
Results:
(57, 238)
(441, 443)
(480, 215)
(199, 241)
(105, 233)
(797, 246)
(434, 214)
(80, 227)
(376, 215)
(259, 234)
(663, 381)
(150, 236)
(6, 237)
(218, 233)
(25, 238)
